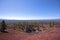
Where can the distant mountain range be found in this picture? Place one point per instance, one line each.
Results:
(16, 21)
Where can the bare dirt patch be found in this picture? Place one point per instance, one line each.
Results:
(54, 34)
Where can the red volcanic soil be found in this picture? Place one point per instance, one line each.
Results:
(53, 34)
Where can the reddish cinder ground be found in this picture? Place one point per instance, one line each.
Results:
(53, 34)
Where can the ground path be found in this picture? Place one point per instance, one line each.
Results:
(54, 34)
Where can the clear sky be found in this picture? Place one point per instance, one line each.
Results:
(29, 9)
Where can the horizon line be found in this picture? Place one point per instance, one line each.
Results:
(26, 19)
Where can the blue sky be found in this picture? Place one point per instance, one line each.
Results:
(29, 9)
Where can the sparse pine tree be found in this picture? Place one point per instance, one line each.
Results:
(3, 26)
